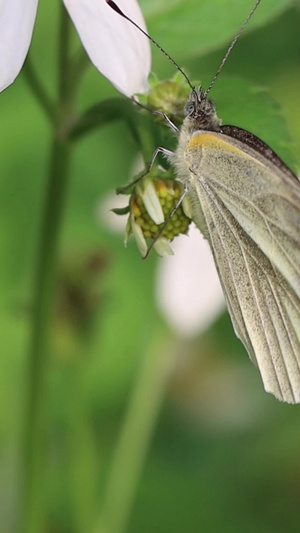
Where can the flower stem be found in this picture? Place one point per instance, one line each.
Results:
(39, 91)
(136, 433)
(36, 419)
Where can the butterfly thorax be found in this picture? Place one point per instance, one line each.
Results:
(200, 114)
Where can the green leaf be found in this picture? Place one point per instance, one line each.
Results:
(251, 107)
(121, 210)
(200, 26)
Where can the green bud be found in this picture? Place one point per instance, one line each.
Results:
(150, 208)
(169, 97)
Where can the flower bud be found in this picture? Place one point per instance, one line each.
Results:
(152, 214)
(169, 97)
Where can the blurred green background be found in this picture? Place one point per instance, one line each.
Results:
(145, 432)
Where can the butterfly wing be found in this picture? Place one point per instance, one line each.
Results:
(251, 216)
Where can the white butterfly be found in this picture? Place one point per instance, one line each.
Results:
(246, 202)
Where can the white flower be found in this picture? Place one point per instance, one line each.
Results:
(188, 290)
(118, 50)
(16, 25)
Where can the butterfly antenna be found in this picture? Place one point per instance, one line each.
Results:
(231, 46)
(118, 10)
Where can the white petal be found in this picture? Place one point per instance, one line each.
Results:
(118, 49)
(162, 247)
(186, 206)
(151, 201)
(188, 290)
(139, 237)
(127, 231)
(16, 25)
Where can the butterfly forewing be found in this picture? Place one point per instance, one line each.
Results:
(266, 203)
(256, 251)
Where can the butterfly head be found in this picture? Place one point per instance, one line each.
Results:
(200, 112)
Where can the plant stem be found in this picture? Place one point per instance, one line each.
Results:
(136, 433)
(36, 420)
(39, 91)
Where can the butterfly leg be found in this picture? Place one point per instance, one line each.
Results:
(159, 150)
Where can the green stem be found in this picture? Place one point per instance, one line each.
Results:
(136, 434)
(39, 91)
(36, 421)
(104, 113)
(64, 64)
(83, 451)
(33, 518)
(113, 109)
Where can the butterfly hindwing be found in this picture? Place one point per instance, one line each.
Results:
(249, 242)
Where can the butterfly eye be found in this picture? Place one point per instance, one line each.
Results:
(189, 109)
